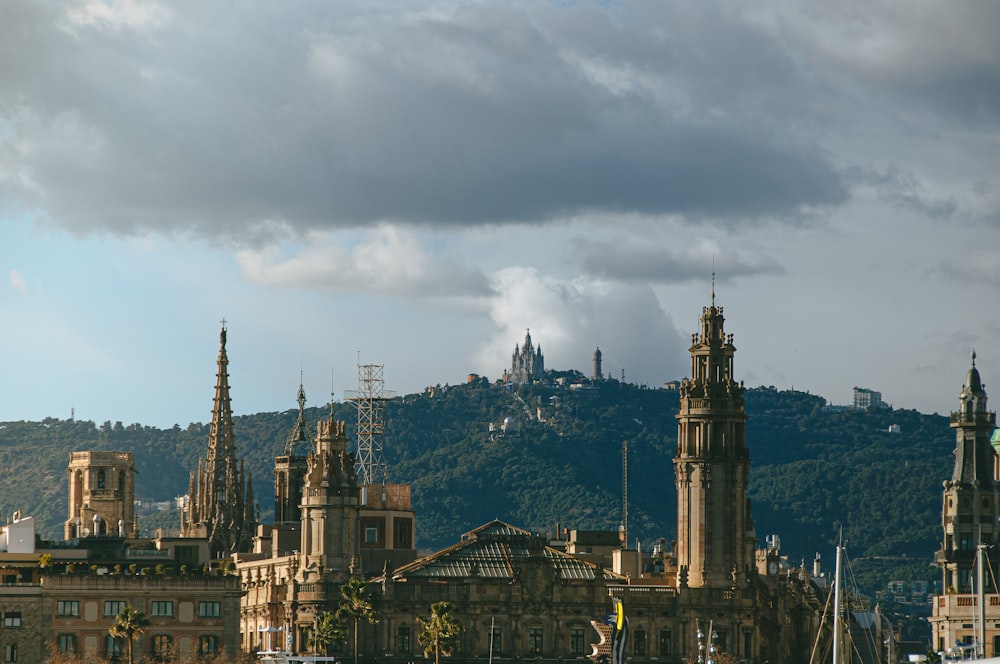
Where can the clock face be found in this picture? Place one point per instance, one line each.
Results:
(773, 568)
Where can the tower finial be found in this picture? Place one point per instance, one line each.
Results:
(713, 280)
(973, 357)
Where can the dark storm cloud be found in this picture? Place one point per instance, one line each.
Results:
(904, 191)
(649, 263)
(280, 118)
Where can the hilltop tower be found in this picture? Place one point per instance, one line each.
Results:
(715, 532)
(101, 495)
(290, 468)
(597, 365)
(220, 502)
(527, 364)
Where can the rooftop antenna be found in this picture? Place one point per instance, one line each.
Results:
(331, 394)
(624, 494)
(369, 399)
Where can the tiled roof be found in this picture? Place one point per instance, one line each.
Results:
(495, 551)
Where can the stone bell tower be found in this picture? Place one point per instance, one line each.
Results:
(331, 504)
(970, 510)
(101, 495)
(715, 532)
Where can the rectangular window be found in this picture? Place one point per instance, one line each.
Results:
(12, 619)
(403, 530)
(577, 644)
(496, 641)
(208, 644)
(10, 652)
(113, 608)
(371, 534)
(209, 609)
(66, 643)
(113, 646)
(162, 645)
(68, 608)
(666, 643)
(162, 609)
(639, 641)
(403, 639)
(535, 640)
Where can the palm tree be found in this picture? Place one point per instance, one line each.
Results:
(440, 633)
(129, 624)
(358, 603)
(326, 630)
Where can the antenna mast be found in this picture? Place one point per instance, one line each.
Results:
(369, 399)
(624, 527)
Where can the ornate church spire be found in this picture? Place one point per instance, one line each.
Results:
(220, 504)
(299, 435)
(527, 363)
(290, 467)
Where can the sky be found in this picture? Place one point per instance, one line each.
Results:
(416, 184)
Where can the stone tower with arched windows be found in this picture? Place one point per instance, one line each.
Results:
(715, 532)
(970, 519)
(101, 495)
(970, 502)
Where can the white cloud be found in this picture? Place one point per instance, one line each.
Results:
(388, 261)
(570, 319)
(118, 14)
(18, 282)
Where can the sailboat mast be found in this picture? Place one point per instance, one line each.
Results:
(980, 602)
(837, 626)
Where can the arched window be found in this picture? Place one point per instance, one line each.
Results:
(100, 479)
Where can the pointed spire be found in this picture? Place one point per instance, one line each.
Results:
(300, 430)
(218, 499)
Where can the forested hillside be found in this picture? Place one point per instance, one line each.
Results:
(814, 471)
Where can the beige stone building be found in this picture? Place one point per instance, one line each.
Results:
(63, 597)
(343, 528)
(522, 597)
(101, 495)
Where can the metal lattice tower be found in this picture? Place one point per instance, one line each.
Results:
(369, 399)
